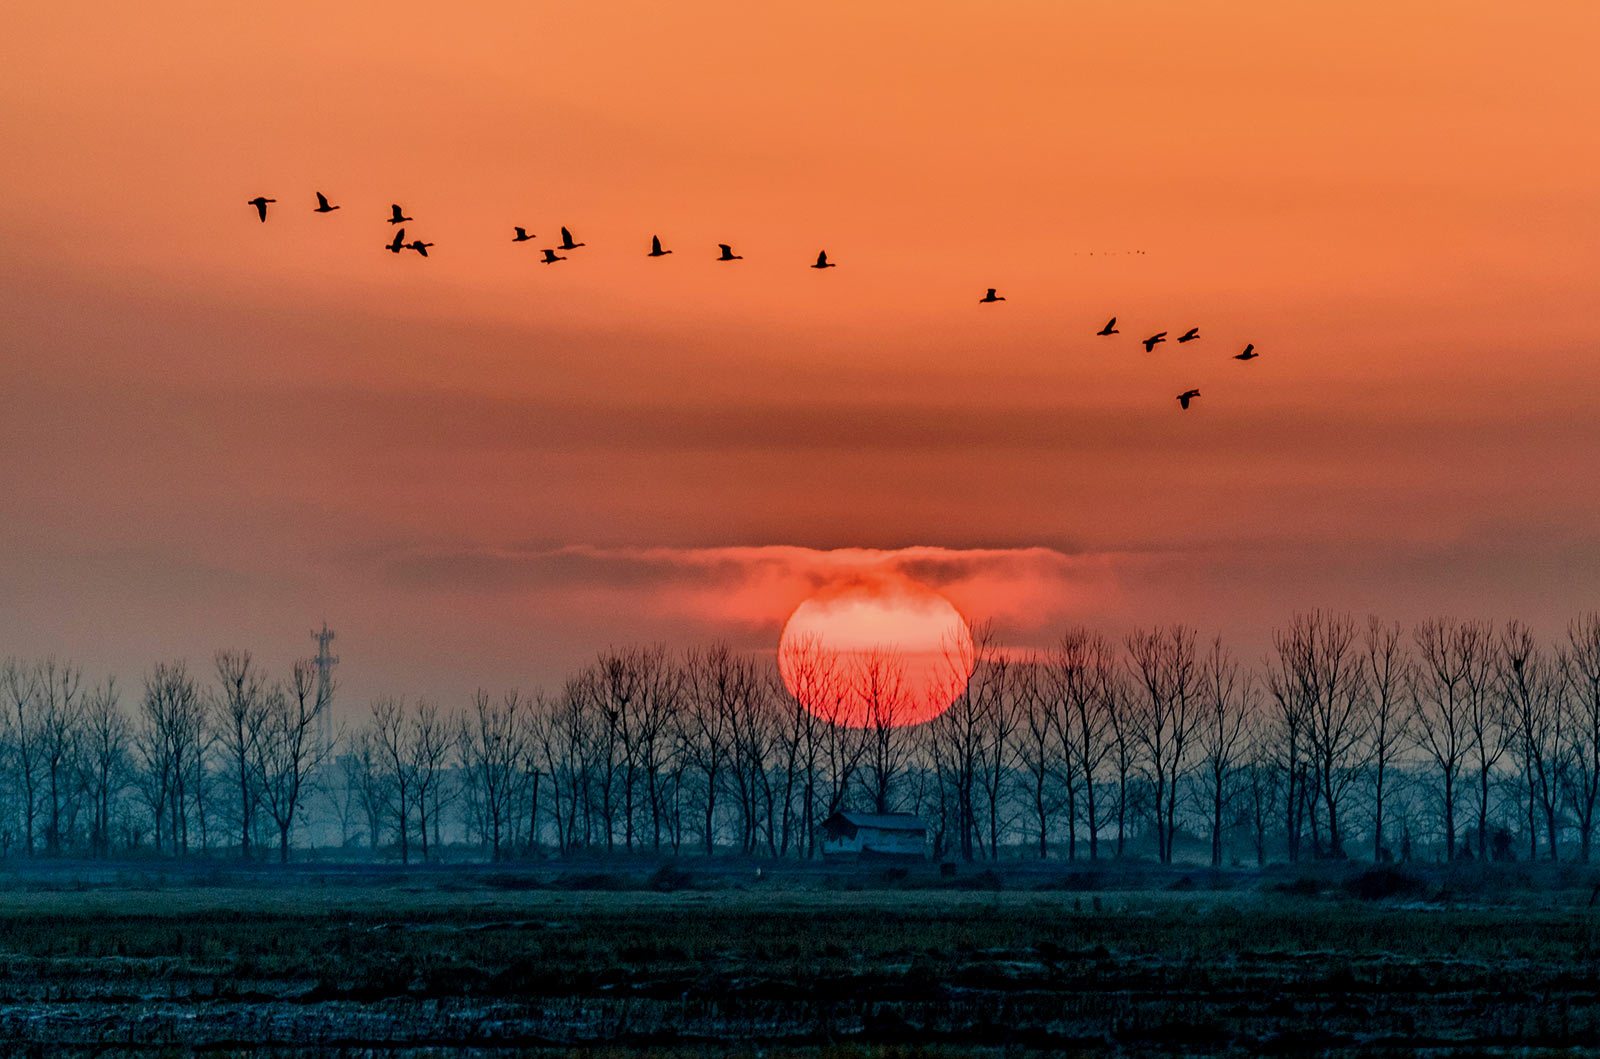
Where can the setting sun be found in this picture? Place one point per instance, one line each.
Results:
(876, 652)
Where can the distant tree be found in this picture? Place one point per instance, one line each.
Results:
(1441, 712)
(239, 709)
(1388, 674)
(20, 683)
(106, 738)
(172, 744)
(1165, 668)
(1085, 672)
(392, 742)
(493, 752)
(288, 751)
(1580, 671)
(1226, 711)
(430, 744)
(1321, 663)
(1039, 702)
(1529, 684)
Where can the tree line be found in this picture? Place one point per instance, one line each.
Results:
(1452, 739)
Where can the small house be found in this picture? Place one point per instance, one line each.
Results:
(873, 836)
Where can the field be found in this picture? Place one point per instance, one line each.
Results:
(478, 965)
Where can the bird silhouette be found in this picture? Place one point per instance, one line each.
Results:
(398, 216)
(728, 254)
(1110, 328)
(655, 247)
(260, 203)
(990, 297)
(322, 204)
(1151, 342)
(823, 262)
(1186, 396)
(1189, 335)
(419, 246)
(551, 257)
(566, 241)
(399, 243)
(522, 235)
(1249, 353)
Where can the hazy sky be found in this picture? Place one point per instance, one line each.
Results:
(477, 468)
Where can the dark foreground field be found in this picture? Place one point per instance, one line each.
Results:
(455, 969)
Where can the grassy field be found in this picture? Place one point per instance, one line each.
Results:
(452, 969)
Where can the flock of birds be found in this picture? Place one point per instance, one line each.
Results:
(521, 235)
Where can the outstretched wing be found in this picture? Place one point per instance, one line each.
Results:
(261, 207)
(822, 259)
(655, 244)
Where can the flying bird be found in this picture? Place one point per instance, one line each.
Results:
(1249, 353)
(322, 204)
(1189, 335)
(551, 257)
(522, 235)
(419, 246)
(990, 297)
(399, 243)
(1186, 396)
(398, 216)
(823, 262)
(260, 203)
(1151, 342)
(1110, 328)
(655, 248)
(566, 241)
(728, 254)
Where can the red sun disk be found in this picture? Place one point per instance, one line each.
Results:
(876, 651)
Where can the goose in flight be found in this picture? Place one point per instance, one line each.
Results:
(1151, 342)
(990, 297)
(823, 262)
(419, 246)
(399, 243)
(522, 235)
(566, 241)
(260, 203)
(398, 216)
(322, 204)
(1110, 328)
(1186, 396)
(655, 248)
(1189, 335)
(1248, 354)
(551, 257)
(728, 254)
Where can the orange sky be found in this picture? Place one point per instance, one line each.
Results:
(217, 432)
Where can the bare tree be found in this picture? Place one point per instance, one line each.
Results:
(106, 737)
(1227, 708)
(1040, 703)
(1323, 667)
(1486, 725)
(240, 708)
(1085, 671)
(21, 683)
(392, 740)
(1580, 671)
(288, 751)
(1166, 670)
(172, 744)
(493, 751)
(1530, 689)
(1388, 676)
(430, 744)
(1441, 713)
(880, 684)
